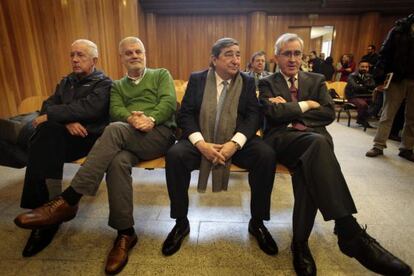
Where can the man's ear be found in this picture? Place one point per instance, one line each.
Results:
(213, 60)
(95, 60)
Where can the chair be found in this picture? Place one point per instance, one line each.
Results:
(340, 100)
(31, 104)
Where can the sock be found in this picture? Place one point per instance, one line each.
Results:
(182, 221)
(128, 232)
(71, 196)
(347, 227)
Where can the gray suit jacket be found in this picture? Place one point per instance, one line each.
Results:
(278, 116)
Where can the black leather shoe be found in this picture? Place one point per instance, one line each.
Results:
(372, 255)
(303, 261)
(263, 237)
(173, 241)
(407, 154)
(39, 239)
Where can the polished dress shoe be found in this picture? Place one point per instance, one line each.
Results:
(173, 241)
(263, 237)
(303, 261)
(39, 239)
(55, 211)
(372, 255)
(118, 256)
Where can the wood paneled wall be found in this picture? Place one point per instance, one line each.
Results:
(36, 35)
(36, 38)
(184, 42)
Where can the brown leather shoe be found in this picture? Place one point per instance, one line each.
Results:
(55, 211)
(118, 256)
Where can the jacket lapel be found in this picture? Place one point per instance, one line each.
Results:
(281, 87)
(303, 86)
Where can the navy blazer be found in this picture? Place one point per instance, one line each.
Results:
(311, 87)
(249, 116)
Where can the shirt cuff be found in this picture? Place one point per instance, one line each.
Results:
(240, 139)
(304, 106)
(195, 137)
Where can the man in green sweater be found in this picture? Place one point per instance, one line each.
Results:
(142, 107)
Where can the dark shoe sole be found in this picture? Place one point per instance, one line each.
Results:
(126, 261)
(179, 245)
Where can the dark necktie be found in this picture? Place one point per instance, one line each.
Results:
(294, 95)
(293, 90)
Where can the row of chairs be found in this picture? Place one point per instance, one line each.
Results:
(340, 100)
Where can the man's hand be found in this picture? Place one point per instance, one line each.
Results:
(313, 104)
(76, 129)
(39, 120)
(228, 150)
(380, 88)
(277, 100)
(211, 152)
(141, 122)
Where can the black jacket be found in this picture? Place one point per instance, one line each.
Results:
(249, 117)
(85, 101)
(397, 52)
(358, 85)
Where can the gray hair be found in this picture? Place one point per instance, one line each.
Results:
(130, 40)
(285, 38)
(92, 48)
(221, 44)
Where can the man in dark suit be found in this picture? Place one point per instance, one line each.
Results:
(297, 107)
(257, 67)
(219, 117)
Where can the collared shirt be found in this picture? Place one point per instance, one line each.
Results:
(239, 137)
(302, 104)
(136, 81)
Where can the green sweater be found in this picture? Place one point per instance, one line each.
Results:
(154, 95)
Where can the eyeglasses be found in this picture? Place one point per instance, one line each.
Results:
(289, 54)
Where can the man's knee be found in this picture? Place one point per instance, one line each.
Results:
(122, 161)
(175, 153)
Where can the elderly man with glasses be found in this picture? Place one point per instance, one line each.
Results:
(297, 107)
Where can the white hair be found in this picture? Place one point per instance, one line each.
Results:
(92, 48)
(130, 40)
(284, 38)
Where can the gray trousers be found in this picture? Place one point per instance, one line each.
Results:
(119, 149)
(396, 93)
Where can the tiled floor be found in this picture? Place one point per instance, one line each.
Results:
(219, 244)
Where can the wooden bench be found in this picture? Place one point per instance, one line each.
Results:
(159, 163)
(34, 103)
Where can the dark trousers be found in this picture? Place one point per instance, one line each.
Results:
(317, 179)
(362, 105)
(49, 148)
(257, 157)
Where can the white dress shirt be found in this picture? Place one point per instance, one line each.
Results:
(239, 137)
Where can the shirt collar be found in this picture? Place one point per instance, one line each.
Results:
(219, 80)
(137, 80)
(287, 78)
